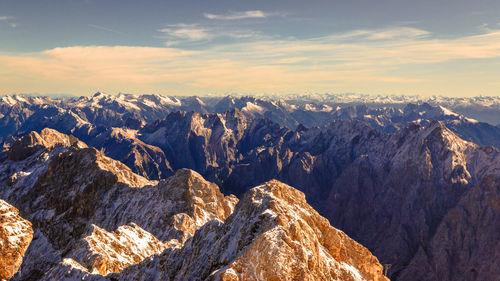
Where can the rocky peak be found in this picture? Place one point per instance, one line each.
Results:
(141, 222)
(226, 103)
(204, 201)
(83, 165)
(435, 149)
(273, 234)
(33, 141)
(294, 241)
(98, 95)
(120, 170)
(123, 145)
(15, 236)
(93, 216)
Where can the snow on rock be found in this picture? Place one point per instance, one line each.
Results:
(93, 214)
(447, 112)
(273, 234)
(107, 252)
(15, 236)
(28, 158)
(434, 139)
(123, 173)
(169, 100)
(8, 100)
(164, 217)
(48, 138)
(460, 161)
(253, 108)
(95, 220)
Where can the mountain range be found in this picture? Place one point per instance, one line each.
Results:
(94, 219)
(415, 183)
(88, 116)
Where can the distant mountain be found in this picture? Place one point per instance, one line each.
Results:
(122, 144)
(483, 108)
(22, 114)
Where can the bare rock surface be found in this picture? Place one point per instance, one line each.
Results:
(94, 213)
(32, 142)
(467, 239)
(390, 192)
(15, 236)
(408, 188)
(95, 219)
(273, 234)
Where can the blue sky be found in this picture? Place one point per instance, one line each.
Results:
(445, 47)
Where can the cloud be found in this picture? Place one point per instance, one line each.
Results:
(382, 34)
(105, 29)
(8, 20)
(178, 34)
(388, 61)
(291, 60)
(188, 32)
(82, 70)
(377, 47)
(237, 15)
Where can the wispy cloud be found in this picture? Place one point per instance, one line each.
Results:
(177, 34)
(237, 15)
(105, 29)
(386, 60)
(188, 32)
(383, 34)
(8, 20)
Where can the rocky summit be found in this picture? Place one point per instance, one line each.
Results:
(273, 234)
(94, 219)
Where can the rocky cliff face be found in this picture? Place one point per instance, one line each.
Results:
(466, 240)
(213, 143)
(399, 186)
(15, 236)
(273, 234)
(33, 142)
(406, 194)
(123, 145)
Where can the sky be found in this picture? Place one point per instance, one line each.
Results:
(384, 47)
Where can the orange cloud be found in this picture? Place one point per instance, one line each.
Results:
(376, 62)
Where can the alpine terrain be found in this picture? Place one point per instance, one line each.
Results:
(94, 219)
(150, 187)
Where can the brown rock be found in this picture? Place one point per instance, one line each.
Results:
(32, 142)
(273, 234)
(299, 245)
(15, 237)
